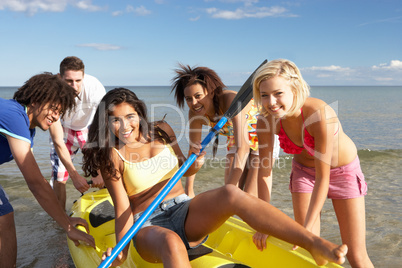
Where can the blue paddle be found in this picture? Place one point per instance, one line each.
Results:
(242, 98)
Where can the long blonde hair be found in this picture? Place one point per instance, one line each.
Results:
(287, 70)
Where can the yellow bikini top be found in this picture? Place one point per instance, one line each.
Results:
(140, 176)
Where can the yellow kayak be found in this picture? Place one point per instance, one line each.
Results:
(229, 246)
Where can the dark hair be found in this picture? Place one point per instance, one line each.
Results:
(47, 88)
(97, 151)
(207, 78)
(71, 63)
(204, 76)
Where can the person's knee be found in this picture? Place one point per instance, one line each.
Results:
(231, 193)
(169, 246)
(7, 224)
(60, 184)
(8, 241)
(172, 242)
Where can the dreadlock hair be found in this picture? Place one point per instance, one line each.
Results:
(97, 151)
(71, 63)
(47, 88)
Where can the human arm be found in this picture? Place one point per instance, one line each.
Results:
(320, 124)
(266, 141)
(265, 134)
(42, 191)
(56, 134)
(241, 140)
(189, 186)
(123, 213)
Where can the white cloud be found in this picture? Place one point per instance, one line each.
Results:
(331, 68)
(387, 20)
(99, 46)
(117, 13)
(393, 65)
(87, 5)
(33, 6)
(381, 74)
(139, 11)
(383, 79)
(249, 12)
(246, 2)
(195, 19)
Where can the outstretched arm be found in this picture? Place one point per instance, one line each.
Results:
(266, 140)
(322, 128)
(189, 186)
(42, 191)
(56, 133)
(265, 134)
(123, 212)
(240, 132)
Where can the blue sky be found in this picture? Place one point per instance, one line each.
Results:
(134, 42)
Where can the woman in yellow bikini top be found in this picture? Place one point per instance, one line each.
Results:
(139, 176)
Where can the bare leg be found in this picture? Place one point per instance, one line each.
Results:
(243, 178)
(8, 241)
(301, 202)
(228, 164)
(251, 182)
(59, 188)
(169, 249)
(211, 209)
(352, 225)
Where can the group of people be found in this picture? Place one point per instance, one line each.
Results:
(121, 139)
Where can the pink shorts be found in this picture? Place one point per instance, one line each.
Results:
(345, 182)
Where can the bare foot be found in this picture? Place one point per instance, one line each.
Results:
(324, 251)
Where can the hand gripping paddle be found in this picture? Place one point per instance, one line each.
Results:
(240, 101)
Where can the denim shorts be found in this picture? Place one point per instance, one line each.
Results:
(345, 182)
(5, 206)
(170, 214)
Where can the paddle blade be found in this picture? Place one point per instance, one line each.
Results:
(243, 96)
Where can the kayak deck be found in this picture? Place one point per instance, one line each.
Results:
(229, 246)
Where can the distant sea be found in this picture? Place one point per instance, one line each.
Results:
(370, 116)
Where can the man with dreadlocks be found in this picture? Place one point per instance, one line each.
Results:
(38, 103)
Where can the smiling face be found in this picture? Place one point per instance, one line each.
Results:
(44, 116)
(198, 100)
(125, 123)
(276, 96)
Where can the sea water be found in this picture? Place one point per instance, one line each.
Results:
(371, 116)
